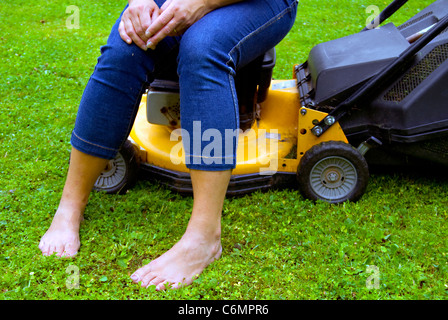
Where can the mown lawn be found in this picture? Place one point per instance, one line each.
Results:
(276, 245)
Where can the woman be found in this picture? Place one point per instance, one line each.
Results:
(206, 41)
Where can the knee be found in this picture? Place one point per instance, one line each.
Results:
(121, 56)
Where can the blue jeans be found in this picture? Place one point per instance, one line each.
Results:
(205, 59)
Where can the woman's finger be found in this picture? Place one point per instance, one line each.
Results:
(164, 25)
(159, 23)
(141, 21)
(135, 20)
(131, 33)
(123, 34)
(154, 16)
(168, 30)
(175, 18)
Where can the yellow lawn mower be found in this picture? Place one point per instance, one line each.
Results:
(382, 90)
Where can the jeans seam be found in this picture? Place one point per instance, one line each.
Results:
(93, 144)
(235, 107)
(133, 114)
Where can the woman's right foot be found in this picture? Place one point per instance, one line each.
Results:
(62, 238)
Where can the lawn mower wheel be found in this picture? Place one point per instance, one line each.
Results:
(333, 171)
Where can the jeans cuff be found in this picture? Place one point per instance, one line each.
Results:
(92, 149)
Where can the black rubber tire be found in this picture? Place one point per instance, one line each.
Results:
(334, 172)
(121, 173)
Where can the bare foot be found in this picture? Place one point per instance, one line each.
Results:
(180, 265)
(62, 238)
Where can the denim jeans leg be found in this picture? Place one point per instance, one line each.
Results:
(110, 100)
(211, 51)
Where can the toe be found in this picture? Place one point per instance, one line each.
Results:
(50, 250)
(162, 285)
(69, 251)
(149, 279)
(59, 250)
(140, 274)
(43, 247)
(177, 285)
(165, 285)
(155, 281)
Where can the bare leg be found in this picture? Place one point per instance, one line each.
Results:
(62, 238)
(201, 243)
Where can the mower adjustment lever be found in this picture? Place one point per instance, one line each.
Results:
(370, 143)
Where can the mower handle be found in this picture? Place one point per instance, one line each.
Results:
(386, 13)
(414, 37)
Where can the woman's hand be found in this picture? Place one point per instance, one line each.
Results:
(136, 19)
(175, 18)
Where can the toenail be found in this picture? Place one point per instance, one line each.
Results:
(135, 277)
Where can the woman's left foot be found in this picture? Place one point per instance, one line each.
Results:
(180, 265)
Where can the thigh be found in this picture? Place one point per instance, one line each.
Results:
(242, 31)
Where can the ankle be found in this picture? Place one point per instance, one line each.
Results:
(206, 230)
(209, 244)
(71, 214)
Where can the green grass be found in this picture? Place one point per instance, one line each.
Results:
(276, 245)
